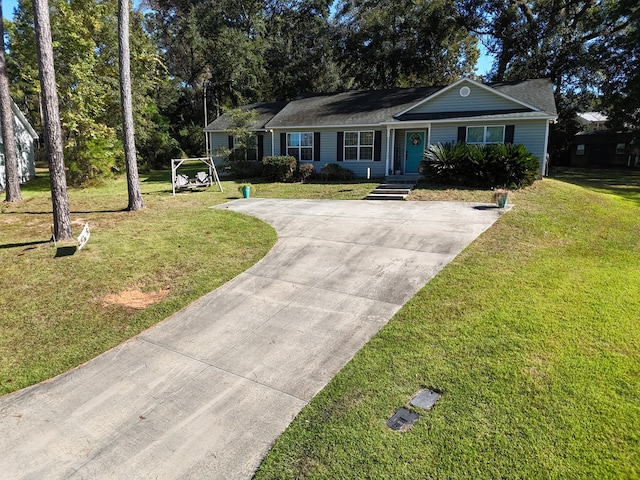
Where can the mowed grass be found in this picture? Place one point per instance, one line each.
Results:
(55, 312)
(532, 335)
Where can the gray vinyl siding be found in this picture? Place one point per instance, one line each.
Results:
(479, 99)
(444, 133)
(217, 142)
(329, 149)
(530, 134)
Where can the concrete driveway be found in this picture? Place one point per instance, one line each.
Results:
(204, 394)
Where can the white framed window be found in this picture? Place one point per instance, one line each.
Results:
(300, 146)
(358, 146)
(620, 148)
(250, 151)
(485, 134)
(580, 149)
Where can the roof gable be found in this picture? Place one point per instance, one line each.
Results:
(467, 95)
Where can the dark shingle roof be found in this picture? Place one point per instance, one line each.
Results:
(374, 107)
(350, 108)
(536, 92)
(266, 111)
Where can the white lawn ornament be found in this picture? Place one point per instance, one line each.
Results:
(84, 236)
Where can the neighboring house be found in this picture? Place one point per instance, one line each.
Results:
(596, 146)
(592, 121)
(25, 148)
(604, 148)
(387, 131)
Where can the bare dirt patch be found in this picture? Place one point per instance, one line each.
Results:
(134, 298)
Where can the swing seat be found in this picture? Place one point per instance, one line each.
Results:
(202, 179)
(182, 181)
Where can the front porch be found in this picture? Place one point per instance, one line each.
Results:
(405, 150)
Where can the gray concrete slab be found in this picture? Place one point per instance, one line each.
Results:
(205, 393)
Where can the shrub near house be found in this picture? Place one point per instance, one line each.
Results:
(285, 168)
(484, 166)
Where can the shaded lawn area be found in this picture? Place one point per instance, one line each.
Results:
(532, 334)
(56, 313)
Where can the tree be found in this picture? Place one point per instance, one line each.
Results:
(299, 54)
(620, 57)
(556, 39)
(52, 127)
(133, 183)
(569, 41)
(401, 43)
(86, 55)
(12, 179)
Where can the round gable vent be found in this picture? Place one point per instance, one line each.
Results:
(465, 91)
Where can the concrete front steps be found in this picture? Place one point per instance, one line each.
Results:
(396, 187)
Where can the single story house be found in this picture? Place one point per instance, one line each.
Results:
(25, 148)
(385, 132)
(597, 146)
(604, 148)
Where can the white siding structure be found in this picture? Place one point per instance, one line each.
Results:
(25, 146)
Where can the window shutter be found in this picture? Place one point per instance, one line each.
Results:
(230, 142)
(509, 130)
(377, 145)
(340, 152)
(260, 147)
(462, 134)
(283, 143)
(316, 146)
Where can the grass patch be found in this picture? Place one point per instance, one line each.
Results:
(60, 312)
(532, 334)
(137, 269)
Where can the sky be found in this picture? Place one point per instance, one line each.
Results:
(482, 67)
(7, 8)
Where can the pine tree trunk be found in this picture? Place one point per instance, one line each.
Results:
(128, 136)
(52, 127)
(12, 177)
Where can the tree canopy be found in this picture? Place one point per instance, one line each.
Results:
(234, 52)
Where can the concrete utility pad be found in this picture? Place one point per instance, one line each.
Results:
(205, 393)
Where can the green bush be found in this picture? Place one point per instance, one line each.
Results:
(484, 166)
(241, 167)
(89, 158)
(279, 168)
(305, 172)
(334, 171)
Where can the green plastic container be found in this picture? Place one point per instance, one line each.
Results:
(246, 191)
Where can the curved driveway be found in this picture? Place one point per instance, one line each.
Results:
(204, 394)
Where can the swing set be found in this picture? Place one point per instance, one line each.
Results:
(205, 179)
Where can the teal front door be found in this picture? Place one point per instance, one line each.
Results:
(415, 149)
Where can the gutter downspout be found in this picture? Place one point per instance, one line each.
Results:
(543, 163)
(273, 144)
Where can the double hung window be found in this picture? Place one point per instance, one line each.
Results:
(358, 146)
(300, 146)
(246, 149)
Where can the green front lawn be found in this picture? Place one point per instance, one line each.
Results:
(532, 335)
(56, 313)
